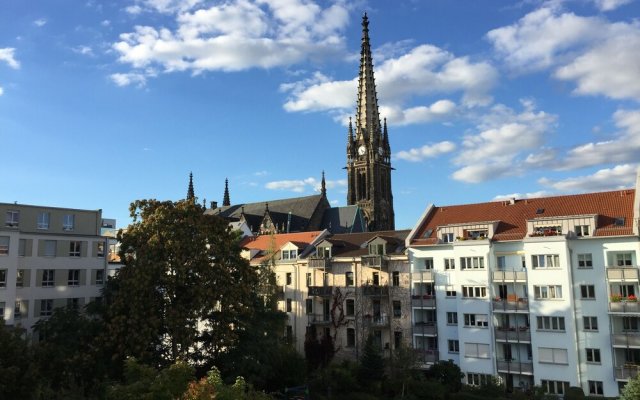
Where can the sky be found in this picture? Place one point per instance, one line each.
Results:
(106, 102)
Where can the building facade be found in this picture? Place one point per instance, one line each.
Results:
(536, 291)
(49, 257)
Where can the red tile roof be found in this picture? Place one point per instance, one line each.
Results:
(513, 217)
(266, 243)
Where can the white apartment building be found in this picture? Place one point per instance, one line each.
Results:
(49, 257)
(535, 291)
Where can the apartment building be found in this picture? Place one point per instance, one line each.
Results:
(347, 286)
(535, 291)
(49, 257)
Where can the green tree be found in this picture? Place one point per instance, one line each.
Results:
(213, 387)
(371, 368)
(146, 383)
(631, 390)
(184, 292)
(17, 374)
(448, 374)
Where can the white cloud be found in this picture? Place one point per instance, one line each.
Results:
(133, 10)
(261, 173)
(532, 195)
(7, 55)
(421, 114)
(609, 5)
(84, 50)
(426, 151)
(127, 79)
(620, 176)
(234, 35)
(1, 91)
(301, 185)
(584, 50)
(105, 22)
(40, 22)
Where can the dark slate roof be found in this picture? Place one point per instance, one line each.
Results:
(347, 219)
(355, 244)
(301, 209)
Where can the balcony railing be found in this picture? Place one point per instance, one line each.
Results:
(510, 276)
(423, 276)
(428, 355)
(627, 371)
(321, 291)
(424, 328)
(376, 320)
(374, 261)
(513, 333)
(423, 300)
(629, 339)
(521, 304)
(319, 319)
(375, 290)
(620, 273)
(515, 367)
(319, 262)
(624, 307)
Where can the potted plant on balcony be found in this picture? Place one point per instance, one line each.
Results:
(616, 298)
(632, 298)
(497, 298)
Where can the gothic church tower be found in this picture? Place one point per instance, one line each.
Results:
(368, 152)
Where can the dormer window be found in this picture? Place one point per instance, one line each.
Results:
(12, 218)
(547, 231)
(447, 237)
(619, 221)
(290, 254)
(68, 222)
(582, 230)
(478, 234)
(376, 249)
(323, 252)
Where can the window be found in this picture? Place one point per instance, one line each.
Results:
(17, 311)
(554, 387)
(288, 277)
(547, 292)
(474, 291)
(323, 252)
(290, 254)
(376, 278)
(73, 303)
(550, 323)
(376, 249)
(289, 334)
(74, 248)
(582, 230)
(99, 276)
(289, 305)
(308, 279)
(351, 337)
(428, 263)
(22, 247)
(546, 261)
(502, 262)
(585, 261)
(3, 278)
(452, 318)
(309, 306)
(48, 277)
(476, 350)
(478, 379)
(68, 222)
(624, 259)
(476, 320)
(4, 245)
(590, 323)
(348, 276)
(630, 323)
(595, 388)
(471, 262)
(397, 339)
(351, 307)
(397, 309)
(395, 278)
(593, 356)
(449, 263)
(477, 234)
(454, 346)
(12, 218)
(43, 220)
(49, 248)
(619, 221)
(100, 249)
(73, 277)
(552, 355)
(20, 278)
(588, 292)
(447, 237)
(451, 292)
(46, 307)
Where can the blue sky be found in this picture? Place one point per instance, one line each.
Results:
(102, 103)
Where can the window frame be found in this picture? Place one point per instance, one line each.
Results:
(452, 318)
(44, 220)
(585, 261)
(12, 218)
(73, 277)
(593, 355)
(48, 277)
(587, 292)
(454, 346)
(590, 325)
(5, 243)
(68, 222)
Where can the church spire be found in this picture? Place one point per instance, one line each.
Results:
(190, 193)
(323, 186)
(226, 201)
(367, 115)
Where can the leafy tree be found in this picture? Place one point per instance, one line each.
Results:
(17, 375)
(448, 374)
(213, 387)
(371, 366)
(574, 393)
(145, 382)
(184, 292)
(631, 390)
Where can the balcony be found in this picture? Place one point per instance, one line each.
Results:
(424, 328)
(624, 307)
(627, 371)
(319, 319)
(320, 291)
(509, 276)
(515, 367)
(513, 334)
(423, 276)
(428, 356)
(423, 300)
(319, 262)
(519, 305)
(375, 290)
(629, 339)
(374, 261)
(622, 274)
(376, 320)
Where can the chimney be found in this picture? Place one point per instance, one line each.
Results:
(214, 205)
(512, 201)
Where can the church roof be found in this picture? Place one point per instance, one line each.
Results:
(346, 219)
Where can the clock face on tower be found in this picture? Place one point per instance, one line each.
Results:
(361, 150)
